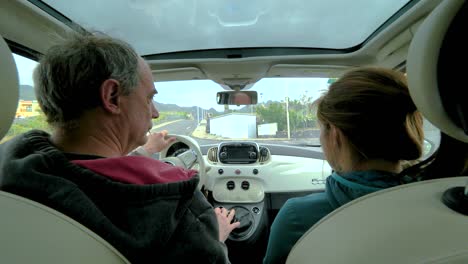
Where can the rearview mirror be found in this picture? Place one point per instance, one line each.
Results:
(237, 98)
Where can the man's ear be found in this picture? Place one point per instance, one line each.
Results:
(110, 95)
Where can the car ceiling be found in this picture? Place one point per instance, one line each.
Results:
(224, 24)
(29, 29)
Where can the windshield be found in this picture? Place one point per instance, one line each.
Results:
(283, 114)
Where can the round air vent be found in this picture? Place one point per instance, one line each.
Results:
(213, 154)
(264, 154)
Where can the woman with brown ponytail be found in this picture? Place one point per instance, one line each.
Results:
(369, 127)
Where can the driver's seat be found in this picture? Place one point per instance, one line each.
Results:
(31, 232)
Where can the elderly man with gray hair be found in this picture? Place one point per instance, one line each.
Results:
(97, 95)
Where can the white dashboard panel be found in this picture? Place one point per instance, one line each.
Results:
(294, 174)
(254, 194)
(279, 174)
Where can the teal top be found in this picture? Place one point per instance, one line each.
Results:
(301, 213)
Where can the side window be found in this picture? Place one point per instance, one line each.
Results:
(28, 114)
(431, 138)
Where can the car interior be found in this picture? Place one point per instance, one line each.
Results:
(245, 160)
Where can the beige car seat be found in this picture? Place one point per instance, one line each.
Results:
(424, 222)
(31, 232)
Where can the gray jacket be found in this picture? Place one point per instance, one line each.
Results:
(156, 223)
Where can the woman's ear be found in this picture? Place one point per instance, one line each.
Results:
(110, 96)
(335, 136)
(332, 146)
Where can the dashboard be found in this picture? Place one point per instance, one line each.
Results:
(256, 179)
(242, 172)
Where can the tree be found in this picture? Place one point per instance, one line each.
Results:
(20, 126)
(301, 115)
(274, 112)
(169, 116)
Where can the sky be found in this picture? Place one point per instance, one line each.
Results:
(25, 68)
(202, 93)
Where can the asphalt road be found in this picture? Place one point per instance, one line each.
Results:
(187, 127)
(180, 127)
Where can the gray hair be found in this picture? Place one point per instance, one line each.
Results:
(69, 75)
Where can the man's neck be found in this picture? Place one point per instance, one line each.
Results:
(84, 144)
(93, 138)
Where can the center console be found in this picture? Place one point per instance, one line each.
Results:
(251, 218)
(237, 184)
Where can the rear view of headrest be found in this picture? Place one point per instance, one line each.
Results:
(437, 84)
(9, 88)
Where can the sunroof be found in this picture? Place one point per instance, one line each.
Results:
(161, 26)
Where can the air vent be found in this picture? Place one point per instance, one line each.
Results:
(213, 154)
(264, 154)
(230, 185)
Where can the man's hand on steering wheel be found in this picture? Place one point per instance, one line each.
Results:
(189, 158)
(158, 141)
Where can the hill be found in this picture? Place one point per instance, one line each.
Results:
(27, 92)
(175, 108)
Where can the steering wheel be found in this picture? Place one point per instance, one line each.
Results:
(187, 159)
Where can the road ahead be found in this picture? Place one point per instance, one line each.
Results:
(186, 127)
(180, 127)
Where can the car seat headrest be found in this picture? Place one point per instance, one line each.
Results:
(436, 84)
(9, 90)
